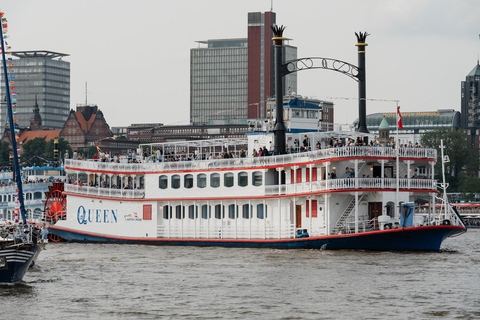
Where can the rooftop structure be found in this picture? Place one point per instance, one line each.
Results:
(41, 76)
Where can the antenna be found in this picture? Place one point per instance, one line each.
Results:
(86, 94)
(271, 8)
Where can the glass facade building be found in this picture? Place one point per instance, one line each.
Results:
(218, 81)
(232, 79)
(41, 76)
(415, 124)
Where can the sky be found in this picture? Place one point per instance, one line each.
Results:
(135, 55)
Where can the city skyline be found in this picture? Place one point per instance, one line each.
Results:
(137, 56)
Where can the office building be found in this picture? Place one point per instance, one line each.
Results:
(41, 77)
(232, 79)
(470, 106)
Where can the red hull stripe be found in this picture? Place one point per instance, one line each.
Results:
(257, 240)
(246, 168)
(249, 197)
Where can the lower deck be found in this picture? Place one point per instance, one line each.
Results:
(265, 218)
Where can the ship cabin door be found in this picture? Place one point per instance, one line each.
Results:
(377, 172)
(298, 216)
(374, 210)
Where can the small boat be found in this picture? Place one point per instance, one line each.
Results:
(18, 240)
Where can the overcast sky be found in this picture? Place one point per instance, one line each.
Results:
(135, 55)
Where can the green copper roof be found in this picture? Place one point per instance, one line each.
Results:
(384, 124)
(475, 71)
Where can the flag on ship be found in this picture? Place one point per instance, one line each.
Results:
(399, 119)
(98, 148)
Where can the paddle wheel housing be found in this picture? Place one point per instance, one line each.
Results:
(55, 206)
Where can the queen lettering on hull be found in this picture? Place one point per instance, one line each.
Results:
(85, 216)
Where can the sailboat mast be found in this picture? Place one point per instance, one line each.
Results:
(12, 133)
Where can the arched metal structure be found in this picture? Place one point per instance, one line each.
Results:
(321, 63)
(357, 73)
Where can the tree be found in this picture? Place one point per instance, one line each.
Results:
(33, 151)
(5, 153)
(463, 160)
(63, 146)
(92, 151)
(469, 186)
(39, 152)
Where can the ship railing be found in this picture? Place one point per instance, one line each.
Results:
(363, 226)
(350, 183)
(26, 186)
(106, 192)
(227, 231)
(341, 152)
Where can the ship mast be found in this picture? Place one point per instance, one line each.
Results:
(444, 185)
(12, 132)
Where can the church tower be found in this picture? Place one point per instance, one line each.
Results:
(384, 132)
(36, 119)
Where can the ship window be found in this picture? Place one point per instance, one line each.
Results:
(219, 212)
(147, 212)
(228, 179)
(188, 181)
(163, 182)
(175, 181)
(245, 211)
(257, 178)
(37, 195)
(179, 212)
(261, 213)
(242, 179)
(215, 180)
(314, 209)
(206, 212)
(192, 212)
(231, 211)
(202, 180)
(167, 212)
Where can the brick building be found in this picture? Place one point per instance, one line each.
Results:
(85, 126)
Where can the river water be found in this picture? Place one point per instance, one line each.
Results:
(96, 281)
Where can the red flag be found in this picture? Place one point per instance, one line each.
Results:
(98, 148)
(399, 119)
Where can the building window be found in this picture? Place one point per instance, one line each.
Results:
(215, 180)
(242, 179)
(202, 180)
(175, 181)
(257, 178)
(188, 181)
(228, 179)
(163, 182)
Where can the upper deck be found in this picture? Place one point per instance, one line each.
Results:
(168, 164)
